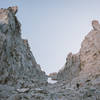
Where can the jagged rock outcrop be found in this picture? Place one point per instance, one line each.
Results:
(90, 50)
(82, 75)
(96, 25)
(88, 59)
(71, 68)
(16, 60)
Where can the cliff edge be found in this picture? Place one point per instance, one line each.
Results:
(87, 60)
(17, 62)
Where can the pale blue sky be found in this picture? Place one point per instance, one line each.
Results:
(54, 27)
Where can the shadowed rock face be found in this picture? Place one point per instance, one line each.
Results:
(71, 68)
(16, 60)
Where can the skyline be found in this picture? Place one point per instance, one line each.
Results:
(54, 28)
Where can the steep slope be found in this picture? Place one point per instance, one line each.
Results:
(87, 61)
(90, 50)
(16, 60)
(71, 68)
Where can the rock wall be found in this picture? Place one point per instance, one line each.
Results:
(90, 50)
(71, 68)
(16, 60)
(87, 61)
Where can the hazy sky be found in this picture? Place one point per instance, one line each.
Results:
(54, 27)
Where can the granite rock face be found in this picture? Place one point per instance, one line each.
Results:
(81, 72)
(96, 25)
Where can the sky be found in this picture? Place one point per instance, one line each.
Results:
(54, 28)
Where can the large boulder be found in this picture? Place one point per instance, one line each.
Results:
(90, 50)
(96, 25)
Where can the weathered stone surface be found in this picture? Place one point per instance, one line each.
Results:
(16, 59)
(71, 68)
(18, 67)
(85, 79)
(96, 25)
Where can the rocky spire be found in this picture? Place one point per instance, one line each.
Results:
(96, 25)
(13, 9)
(21, 78)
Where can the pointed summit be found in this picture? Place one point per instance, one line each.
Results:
(96, 25)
